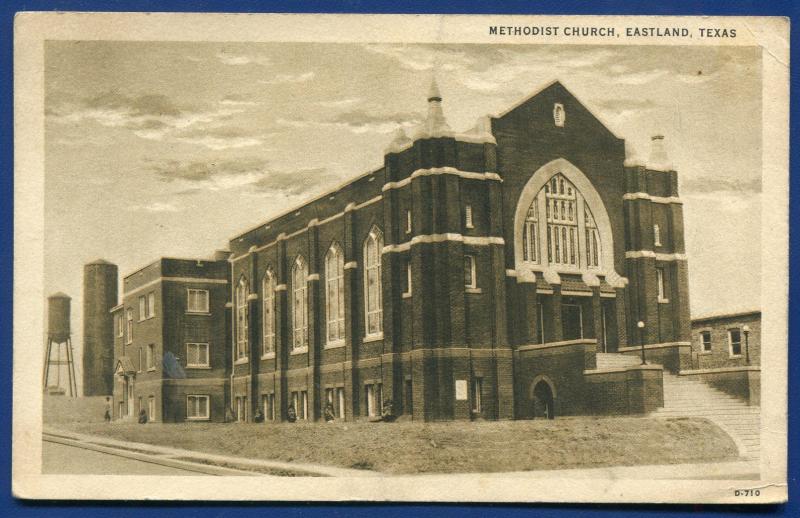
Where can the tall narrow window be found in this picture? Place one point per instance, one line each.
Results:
(372, 282)
(656, 235)
(151, 357)
(268, 313)
(334, 293)
(477, 395)
(118, 324)
(735, 342)
(141, 360)
(151, 304)
(660, 282)
(129, 325)
(142, 308)
(468, 217)
(705, 339)
(408, 221)
(407, 287)
(530, 237)
(299, 303)
(242, 318)
(470, 276)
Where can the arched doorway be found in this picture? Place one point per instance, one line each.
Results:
(543, 403)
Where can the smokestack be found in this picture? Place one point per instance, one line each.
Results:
(658, 160)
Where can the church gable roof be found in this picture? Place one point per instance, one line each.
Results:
(555, 92)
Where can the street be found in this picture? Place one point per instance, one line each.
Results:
(60, 459)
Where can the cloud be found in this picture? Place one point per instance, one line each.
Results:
(247, 174)
(221, 137)
(716, 185)
(360, 121)
(237, 100)
(232, 59)
(148, 116)
(288, 78)
(341, 103)
(154, 207)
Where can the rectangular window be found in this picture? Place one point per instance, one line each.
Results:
(141, 360)
(468, 217)
(735, 342)
(119, 325)
(151, 304)
(374, 399)
(300, 403)
(197, 355)
(339, 402)
(540, 327)
(705, 338)
(151, 357)
(470, 277)
(129, 325)
(198, 301)
(142, 308)
(241, 409)
(197, 407)
(268, 406)
(656, 235)
(408, 221)
(407, 287)
(661, 283)
(151, 408)
(477, 395)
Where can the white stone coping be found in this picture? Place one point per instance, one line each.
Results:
(550, 345)
(636, 254)
(646, 367)
(664, 345)
(716, 370)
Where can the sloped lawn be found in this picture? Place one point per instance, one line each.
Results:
(406, 447)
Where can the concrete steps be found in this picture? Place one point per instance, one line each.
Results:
(692, 398)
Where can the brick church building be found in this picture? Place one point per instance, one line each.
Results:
(493, 274)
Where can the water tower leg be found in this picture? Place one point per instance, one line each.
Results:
(47, 364)
(73, 384)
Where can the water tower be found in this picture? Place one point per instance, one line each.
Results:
(58, 338)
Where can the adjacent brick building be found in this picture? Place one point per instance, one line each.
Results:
(488, 274)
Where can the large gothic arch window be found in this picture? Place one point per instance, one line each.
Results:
(570, 239)
(299, 303)
(268, 309)
(373, 304)
(242, 318)
(561, 225)
(334, 293)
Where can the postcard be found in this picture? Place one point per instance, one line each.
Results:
(400, 258)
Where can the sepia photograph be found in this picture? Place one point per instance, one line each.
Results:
(428, 266)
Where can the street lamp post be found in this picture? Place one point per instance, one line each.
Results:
(640, 325)
(746, 330)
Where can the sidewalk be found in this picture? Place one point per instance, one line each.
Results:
(206, 463)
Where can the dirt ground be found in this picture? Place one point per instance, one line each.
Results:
(448, 447)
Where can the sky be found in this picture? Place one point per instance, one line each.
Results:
(169, 149)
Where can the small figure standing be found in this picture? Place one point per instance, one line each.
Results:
(258, 417)
(291, 415)
(329, 413)
(142, 416)
(107, 416)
